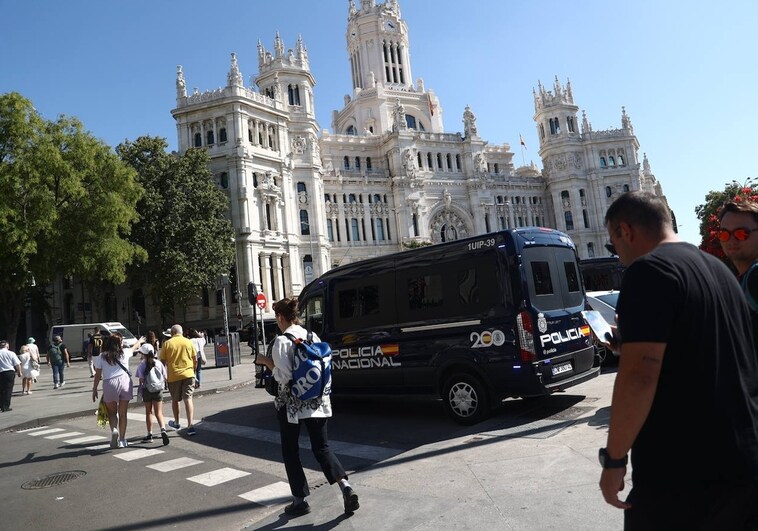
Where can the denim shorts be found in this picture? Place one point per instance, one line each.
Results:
(118, 388)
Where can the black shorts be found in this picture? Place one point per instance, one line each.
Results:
(708, 506)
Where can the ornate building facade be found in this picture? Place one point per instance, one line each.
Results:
(388, 176)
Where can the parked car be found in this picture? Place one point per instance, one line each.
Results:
(605, 303)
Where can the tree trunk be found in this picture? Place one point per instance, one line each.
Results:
(10, 315)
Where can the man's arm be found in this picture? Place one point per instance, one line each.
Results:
(633, 394)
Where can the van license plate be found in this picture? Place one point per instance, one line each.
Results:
(560, 369)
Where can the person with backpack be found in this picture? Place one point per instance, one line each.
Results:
(151, 374)
(111, 366)
(313, 412)
(56, 357)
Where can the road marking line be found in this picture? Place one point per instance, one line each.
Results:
(269, 495)
(99, 447)
(222, 475)
(174, 464)
(82, 440)
(64, 435)
(47, 432)
(132, 455)
(363, 451)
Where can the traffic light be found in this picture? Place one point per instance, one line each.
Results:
(252, 292)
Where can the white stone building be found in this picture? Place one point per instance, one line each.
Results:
(387, 175)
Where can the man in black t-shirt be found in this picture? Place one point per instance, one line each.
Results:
(685, 400)
(94, 348)
(738, 234)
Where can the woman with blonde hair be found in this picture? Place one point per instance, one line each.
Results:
(28, 371)
(111, 368)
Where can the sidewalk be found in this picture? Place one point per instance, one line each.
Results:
(46, 405)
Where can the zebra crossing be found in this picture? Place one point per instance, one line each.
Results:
(268, 495)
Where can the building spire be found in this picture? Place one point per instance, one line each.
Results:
(626, 122)
(278, 46)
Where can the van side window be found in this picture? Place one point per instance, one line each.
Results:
(364, 302)
(543, 284)
(358, 302)
(572, 276)
(424, 292)
(314, 314)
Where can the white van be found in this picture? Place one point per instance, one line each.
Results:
(76, 336)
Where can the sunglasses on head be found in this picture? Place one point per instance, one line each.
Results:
(740, 234)
(611, 248)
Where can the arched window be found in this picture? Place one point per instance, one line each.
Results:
(222, 134)
(591, 250)
(305, 227)
(570, 124)
(351, 131)
(418, 159)
(611, 161)
(501, 223)
(602, 162)
(557, 126)
(569, 220)
(354, 229)
(448, 233)
(439, 161)
(368, 163)
(449, 161)
(429, 161)
(626, 188)
(209, 137)
(351, 198)
(357, 163)
(330, 230)
(458, 162)
(537, 221)
(487, 223)
(300, 187)
(500, 200)
(621, 160)
(608, 191)
(497, 167)
(250, 135)
(346, 162)
(379, 229)
(586, 219)
(377, 198)
(198, 140)
(415, 225)
(410, 121)
(224, 180)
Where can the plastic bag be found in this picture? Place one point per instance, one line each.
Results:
(102, 414)
(35, 374)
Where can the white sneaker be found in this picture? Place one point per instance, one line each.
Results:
(123, 443)
(28, 392)
(114, 440)
(63, 383)
(55, 386)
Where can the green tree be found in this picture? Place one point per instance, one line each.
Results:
(66, 206)
(708, 212)
(182, 224)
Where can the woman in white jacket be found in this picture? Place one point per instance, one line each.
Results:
(292, 413)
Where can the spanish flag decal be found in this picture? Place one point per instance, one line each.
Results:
(390, 350)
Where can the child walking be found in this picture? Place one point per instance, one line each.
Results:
(151, 384)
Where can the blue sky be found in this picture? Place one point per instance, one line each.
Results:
(685, 71)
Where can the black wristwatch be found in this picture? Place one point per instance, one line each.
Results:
(606, 461)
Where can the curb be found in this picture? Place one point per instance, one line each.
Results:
(42, 421)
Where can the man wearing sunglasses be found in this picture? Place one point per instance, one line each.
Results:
(739, 240)
(685, 399)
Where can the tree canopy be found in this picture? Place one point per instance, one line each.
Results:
(181, 223)
(66, 206)
(708, 212)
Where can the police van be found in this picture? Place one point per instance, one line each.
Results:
(473, 321)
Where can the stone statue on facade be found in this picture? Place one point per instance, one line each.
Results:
(469, 122)
(181, 86)
(234, 78)
(400, 121)
(409, 164)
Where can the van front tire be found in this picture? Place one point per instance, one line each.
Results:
(465, 399)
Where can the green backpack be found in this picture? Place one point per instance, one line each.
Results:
(54, 355)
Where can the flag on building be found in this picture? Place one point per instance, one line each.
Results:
(521, 139)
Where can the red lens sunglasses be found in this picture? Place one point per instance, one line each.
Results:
(740, 234)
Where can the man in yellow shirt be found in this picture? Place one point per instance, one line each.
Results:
(178, 354)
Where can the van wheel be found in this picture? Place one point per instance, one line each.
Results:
(465, 399)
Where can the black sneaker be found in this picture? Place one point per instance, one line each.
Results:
(297, 510)
(164, 435)
(351, 500)
(148, 439)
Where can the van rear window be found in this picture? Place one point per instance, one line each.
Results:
(553, 278)
(543, 284)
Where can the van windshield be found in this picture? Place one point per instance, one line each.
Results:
(126, 334)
